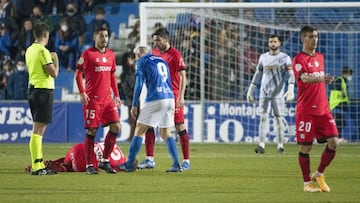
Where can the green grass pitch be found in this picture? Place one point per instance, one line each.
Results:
(219, 173)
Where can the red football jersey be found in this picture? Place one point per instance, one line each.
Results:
(311, 98)
(76, 157)
(97, 68)
(176, 63)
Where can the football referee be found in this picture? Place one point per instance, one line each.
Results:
(43, 68)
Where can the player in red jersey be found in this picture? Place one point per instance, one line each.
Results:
(177, 68)
(74, 160)
(313, 115)
(98, 65)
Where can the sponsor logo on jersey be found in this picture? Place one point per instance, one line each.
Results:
(317, 74)
(102, 68)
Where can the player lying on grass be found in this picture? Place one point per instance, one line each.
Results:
(74, 160)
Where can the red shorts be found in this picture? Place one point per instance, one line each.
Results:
(100, 113)
(309, 127)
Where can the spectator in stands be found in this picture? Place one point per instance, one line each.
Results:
(23, 10)
(51, 7)
(88, 6)
(13, 30)
(39, 17)
(249, 61)
(5, 42)
(99, 20)
(66, 45)
(193, 74)
(134, 35)
(158, 25)
(7, 9)
(127, 83)
(26, 38)
(8, 69)
(77, 21)
(259, 39)
(17, 84)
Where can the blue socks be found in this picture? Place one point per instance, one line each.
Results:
(133, 150)
(171, 146)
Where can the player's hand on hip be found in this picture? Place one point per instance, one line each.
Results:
(249, 94)
(289, 95)
(84, 98)
(134, 112)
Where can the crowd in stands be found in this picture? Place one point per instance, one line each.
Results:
(69, 35)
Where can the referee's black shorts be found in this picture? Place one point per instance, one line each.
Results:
(41, 104)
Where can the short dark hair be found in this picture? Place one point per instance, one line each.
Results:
(347, 70)
(306, 29)
(99, 10)
(39, 30)
(162, 32)
(100, 28)
(276, 36)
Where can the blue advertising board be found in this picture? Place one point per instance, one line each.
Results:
(229, 122)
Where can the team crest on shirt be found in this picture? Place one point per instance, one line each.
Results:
(298, 67)
(317, 64)
(81, 60)
(104, 60)
(302, 136)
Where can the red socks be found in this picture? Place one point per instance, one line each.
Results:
(304, 162)
(109, 143)
(89, 149)
(150, 142)
(326, 157)
(184, 142)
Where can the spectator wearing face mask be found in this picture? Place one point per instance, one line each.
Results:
(17, 84)
(38, 16)
(66, 45)
(77, 21)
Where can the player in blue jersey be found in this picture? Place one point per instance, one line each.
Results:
(158, 110)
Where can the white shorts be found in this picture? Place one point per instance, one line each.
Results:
(159, 113)
(276, 104)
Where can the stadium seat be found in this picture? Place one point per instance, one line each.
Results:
(65, 80)
(264, 15)
(128, 8)
(183, 18)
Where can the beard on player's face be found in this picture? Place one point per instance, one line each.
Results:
(274, 48)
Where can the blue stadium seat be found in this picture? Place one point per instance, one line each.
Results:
(264, 15)
(110, 8)
(183, 19)
(65, 80)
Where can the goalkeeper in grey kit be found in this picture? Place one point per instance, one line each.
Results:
(271, 75)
